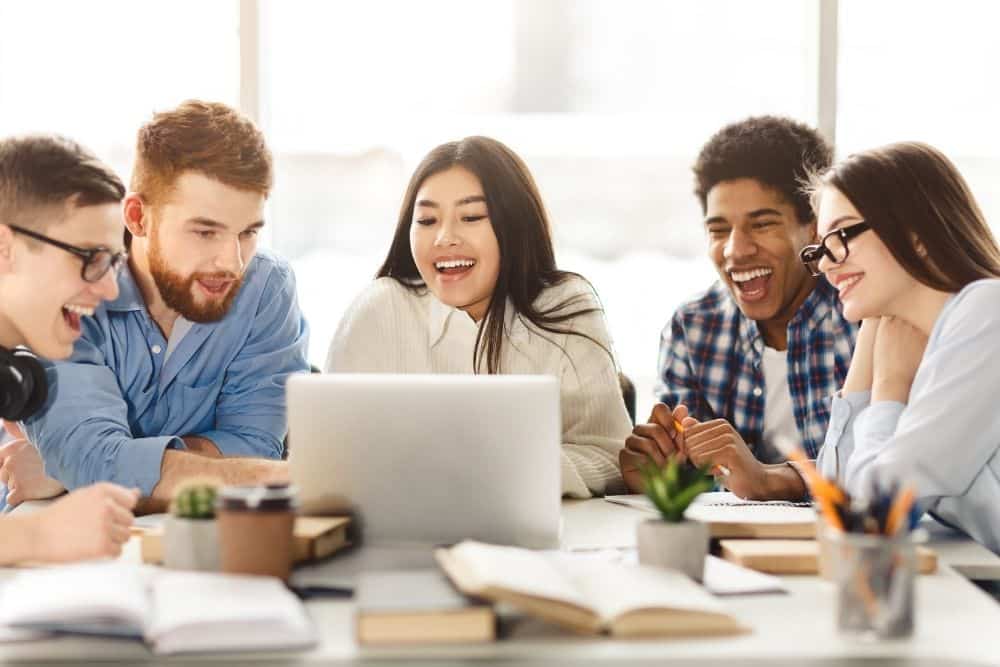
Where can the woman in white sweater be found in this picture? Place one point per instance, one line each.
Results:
(470, 285)
(910, 253)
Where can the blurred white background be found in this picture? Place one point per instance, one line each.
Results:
(608, 101)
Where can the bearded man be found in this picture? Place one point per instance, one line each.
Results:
(184, 373)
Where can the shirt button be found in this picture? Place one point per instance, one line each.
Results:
(157, 349)
(757, 391)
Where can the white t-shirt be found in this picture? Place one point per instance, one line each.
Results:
(780, 431)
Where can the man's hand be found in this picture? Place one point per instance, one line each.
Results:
(716, 443)
(652, 442)
(899, 348)
(203, 446)
(92, 522)
(22, 470)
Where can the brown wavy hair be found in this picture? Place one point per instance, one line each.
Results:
(520, 223)
(919, 205)
(207, 137)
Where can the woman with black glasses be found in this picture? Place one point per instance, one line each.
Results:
(906, 246)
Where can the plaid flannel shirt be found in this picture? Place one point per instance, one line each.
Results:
(711, 360)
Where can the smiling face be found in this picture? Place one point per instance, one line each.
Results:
(870, 281)
(453, 242)
(43, 292)
(754, 239)
(200, 242)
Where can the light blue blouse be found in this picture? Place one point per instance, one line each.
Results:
(946, 440)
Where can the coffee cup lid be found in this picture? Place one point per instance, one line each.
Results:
(262, 497)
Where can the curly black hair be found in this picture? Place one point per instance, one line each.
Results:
(779, 152)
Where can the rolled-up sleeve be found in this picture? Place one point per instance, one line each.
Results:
(839, 441)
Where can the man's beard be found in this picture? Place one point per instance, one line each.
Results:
(178, 292)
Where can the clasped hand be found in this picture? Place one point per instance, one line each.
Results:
(714, 443)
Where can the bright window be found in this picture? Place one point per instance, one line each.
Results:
(608, 103)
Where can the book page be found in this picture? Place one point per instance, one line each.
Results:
(724, 578)
(94, 598)
(519, 570)
(615, 589)
(246, 613)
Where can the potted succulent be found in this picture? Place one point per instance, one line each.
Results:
(191, 540)
(673, 541)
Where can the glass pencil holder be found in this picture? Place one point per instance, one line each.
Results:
(874, 576)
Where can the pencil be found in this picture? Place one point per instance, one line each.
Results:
(899, 511)
(832, 518)
(820, 485)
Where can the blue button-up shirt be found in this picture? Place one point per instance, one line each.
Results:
(711, 355)
(117, 404)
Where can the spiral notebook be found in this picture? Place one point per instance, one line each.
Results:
(733, 517)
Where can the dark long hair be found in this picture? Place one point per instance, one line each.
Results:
(919, 205)
(527, 260)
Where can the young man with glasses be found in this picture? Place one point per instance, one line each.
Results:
(747, 369)
(183, 374)
(60, 247)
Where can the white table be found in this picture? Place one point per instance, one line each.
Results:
(955, 622)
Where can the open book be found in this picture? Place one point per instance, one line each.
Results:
(588, 597)
(175, 612)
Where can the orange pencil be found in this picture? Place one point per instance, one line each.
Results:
(899, 510)
(819, 484)
(829, 513)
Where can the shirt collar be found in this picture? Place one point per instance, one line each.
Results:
(817, 305)
(440, 314)
(129, 295)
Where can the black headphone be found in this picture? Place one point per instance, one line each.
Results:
(23, 387)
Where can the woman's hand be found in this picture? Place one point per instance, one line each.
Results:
(859, 375)
(92, 522)
(899, 349)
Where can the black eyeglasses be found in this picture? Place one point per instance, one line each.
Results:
(833, 246)
(96, 261)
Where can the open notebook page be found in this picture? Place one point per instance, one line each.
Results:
(246, 613)
(93, 598)
(519, 570)
(613, 589)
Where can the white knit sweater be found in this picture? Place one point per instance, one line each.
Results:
(390, 329)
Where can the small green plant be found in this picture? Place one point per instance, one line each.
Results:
(195, 499)
(674, 487)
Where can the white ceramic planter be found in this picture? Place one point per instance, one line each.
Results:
(191, 544)
(677, 546)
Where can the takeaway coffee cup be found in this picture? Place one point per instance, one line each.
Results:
(256, 526)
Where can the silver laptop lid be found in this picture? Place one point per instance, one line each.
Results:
(430, 458)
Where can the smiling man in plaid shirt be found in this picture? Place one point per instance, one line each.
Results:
(748, 367)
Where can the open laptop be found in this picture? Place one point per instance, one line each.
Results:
(430, 459)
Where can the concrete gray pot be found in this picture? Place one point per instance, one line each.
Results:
(677, 546)
(191, 544)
